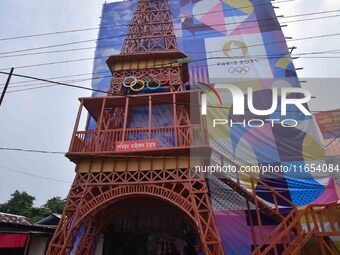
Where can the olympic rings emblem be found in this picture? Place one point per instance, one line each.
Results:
(132, 81)
(240, 70)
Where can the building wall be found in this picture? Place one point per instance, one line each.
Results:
(38, 245)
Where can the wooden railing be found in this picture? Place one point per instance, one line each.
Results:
(166, 137)
(290, 236)
(248, 185)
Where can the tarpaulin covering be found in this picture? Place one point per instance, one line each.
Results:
(162, 116)
(12, 240)
(237, 42)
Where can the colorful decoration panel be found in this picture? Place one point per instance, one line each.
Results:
(240, 43)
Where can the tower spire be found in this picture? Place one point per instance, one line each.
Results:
(151, 28)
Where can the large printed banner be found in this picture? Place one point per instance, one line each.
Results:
(230, 59)
(239, 43)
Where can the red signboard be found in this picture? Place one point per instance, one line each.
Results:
(329, 123)
(12, 240)
(136, 145)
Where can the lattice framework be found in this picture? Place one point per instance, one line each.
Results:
(151, 28)
(91, 193)
(171, 77)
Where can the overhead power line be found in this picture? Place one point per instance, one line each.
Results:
(107, 72)
(109, 93)
(63, 76)
(192, 52)
(80, 80)
(54, 82)
(120, 44)
(332, 141)
(98, 39)
(179, 18)
(38, 85)
(30, 150)
(300, 55)
(71, 81)
(124, 156)
(316, 157)
(31, 82)
(108, 76)
(33, 175)
(32, 88)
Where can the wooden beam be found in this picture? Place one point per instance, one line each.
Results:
(125, 117)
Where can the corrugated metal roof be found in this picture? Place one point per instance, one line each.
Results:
(14, 219)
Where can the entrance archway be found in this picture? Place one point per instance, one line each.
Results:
(148, 226)
(92, 194)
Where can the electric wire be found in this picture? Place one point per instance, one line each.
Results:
(301, 55)
(179, 18)
(34, 175)
(332, 141)
(197, 60)
(112, 94)
(30, 150)
(120, 44)
(71, 81)
(230, 160)
(192, 52)
(116, 155)
(105, 46)
(68, 81)
(334, 51)
(63, 76)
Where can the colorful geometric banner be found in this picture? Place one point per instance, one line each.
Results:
(239, 43)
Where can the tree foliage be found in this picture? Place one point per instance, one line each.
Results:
(55, 205)
(21, 203)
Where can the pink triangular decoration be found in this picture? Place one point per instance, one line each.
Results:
(337, 189)
(331, 193)
(246, 28)
(213, 17)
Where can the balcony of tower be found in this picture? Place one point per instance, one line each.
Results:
(157, 124)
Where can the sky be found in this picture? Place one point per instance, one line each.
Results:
(43, 119)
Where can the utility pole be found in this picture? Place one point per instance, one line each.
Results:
(6, 85)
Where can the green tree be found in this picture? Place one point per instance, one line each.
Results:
(20, 203)
(38, 214)
(55, 205)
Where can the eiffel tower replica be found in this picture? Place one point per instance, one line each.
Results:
(124, 156)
